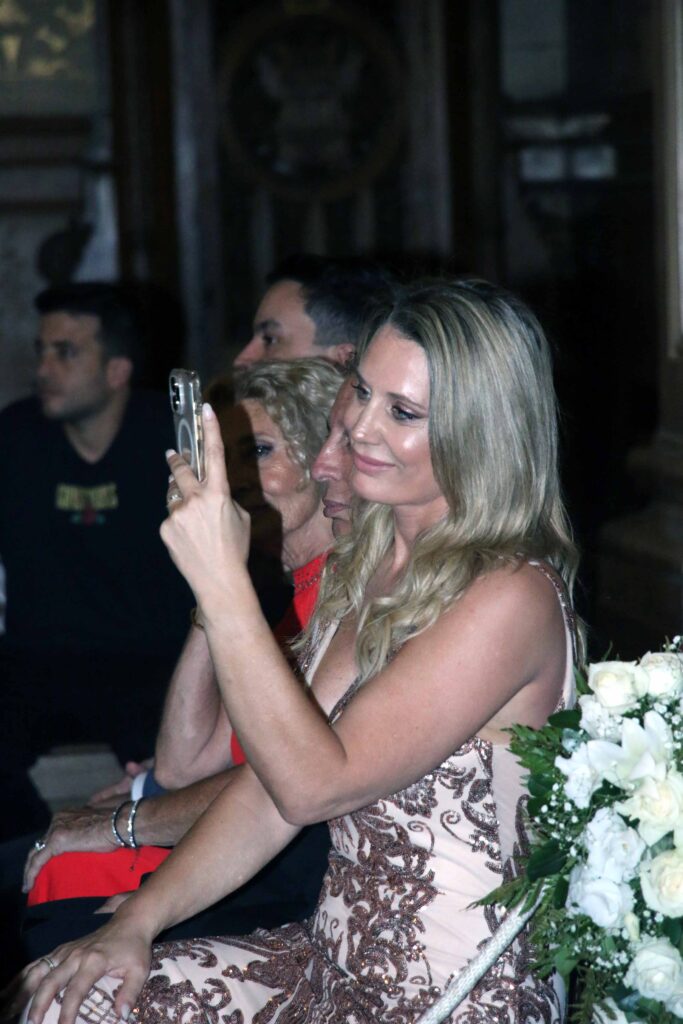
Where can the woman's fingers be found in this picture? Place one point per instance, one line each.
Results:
(127, 995)
(185, 482)
(37, 858)
(173, 497)
(16, 995)
(93, 967)
(214, 452)
(51, 983)
(77, 974)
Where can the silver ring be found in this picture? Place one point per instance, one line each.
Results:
(39, 845)
(174, 496)
(50, 963)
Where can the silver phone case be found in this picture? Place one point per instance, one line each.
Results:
(185, 394)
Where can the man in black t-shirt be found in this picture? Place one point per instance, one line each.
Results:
(96, 612)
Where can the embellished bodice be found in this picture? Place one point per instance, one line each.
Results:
(396, 906)
(396, 912)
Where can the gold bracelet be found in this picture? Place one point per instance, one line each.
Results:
(194, 618)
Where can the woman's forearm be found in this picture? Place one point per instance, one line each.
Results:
(282, 730)
(237, 835)
(194, 734)
(164, 820)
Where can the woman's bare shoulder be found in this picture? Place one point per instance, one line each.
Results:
(520, 591)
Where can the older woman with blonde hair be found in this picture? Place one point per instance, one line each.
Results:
(444, 619)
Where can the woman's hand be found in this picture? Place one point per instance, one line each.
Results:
(83, 829)
(117, 950)
(208, 533)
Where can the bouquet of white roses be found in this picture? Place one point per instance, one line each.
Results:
(606, 857)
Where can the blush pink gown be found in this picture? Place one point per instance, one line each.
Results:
(395, 921)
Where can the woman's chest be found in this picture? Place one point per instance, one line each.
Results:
(336, 670)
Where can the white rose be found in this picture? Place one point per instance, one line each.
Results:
(583, 778)
(661, 881)
(606, 903)
(675, 1002)
(613, 683)
(614, 849)
(646, 750)
(610, 1015)
(597, 721)
(657, 805)
(659, 675)
(656, 970)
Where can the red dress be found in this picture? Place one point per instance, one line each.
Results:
(70, 875)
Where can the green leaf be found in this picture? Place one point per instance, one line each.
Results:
(560, 893)
(548, 859)
(534, 808)
(565, 719)
(539, 785)
(506, 895)
(673, 929)
(565, 961)
(531, 897)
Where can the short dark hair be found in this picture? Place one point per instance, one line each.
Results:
(120, 328)
(338, 293)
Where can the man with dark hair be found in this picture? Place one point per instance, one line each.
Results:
(314, 306)
(95, 610)
(119, 330)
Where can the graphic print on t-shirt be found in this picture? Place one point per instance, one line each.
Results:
(86, 505)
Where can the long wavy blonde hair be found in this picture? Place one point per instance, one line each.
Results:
(493, 439)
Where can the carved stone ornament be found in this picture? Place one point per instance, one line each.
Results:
(47, 57)
(311, 99)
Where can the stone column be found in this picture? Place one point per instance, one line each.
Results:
(640, 578)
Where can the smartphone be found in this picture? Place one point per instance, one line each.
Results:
(185, 393)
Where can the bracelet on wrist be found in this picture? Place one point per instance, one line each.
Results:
(114, 828)
(130, 825)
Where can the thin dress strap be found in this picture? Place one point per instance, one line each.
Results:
(563, 597)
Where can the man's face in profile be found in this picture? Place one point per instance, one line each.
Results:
(72, 372)
(282, 327)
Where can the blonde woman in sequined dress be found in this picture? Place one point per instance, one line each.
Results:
(443, 619)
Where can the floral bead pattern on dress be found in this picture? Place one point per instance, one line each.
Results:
(395, 922)
(393, 926)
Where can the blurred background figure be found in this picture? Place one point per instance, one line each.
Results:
(313, 306)
(95, 613)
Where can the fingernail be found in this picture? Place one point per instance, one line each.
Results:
(208, 411)
(169, 452)
(125, 1011)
